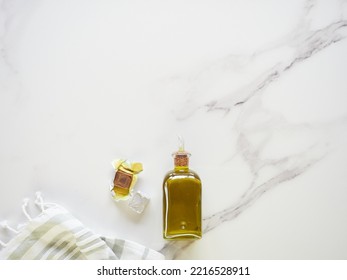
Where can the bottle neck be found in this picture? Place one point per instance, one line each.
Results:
(181, 162)
(181, 168)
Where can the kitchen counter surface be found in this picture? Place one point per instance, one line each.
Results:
(257, 89)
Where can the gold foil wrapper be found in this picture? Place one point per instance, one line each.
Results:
(125, 178)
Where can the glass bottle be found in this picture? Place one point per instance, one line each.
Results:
(181, 200)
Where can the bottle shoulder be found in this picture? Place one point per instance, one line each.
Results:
(179, 173)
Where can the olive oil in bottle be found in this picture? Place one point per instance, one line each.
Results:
(181, 200)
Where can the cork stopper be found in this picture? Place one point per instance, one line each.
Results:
(181, 157)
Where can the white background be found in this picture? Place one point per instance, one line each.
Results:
(257, 89)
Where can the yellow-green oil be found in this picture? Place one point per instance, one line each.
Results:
(181, 204)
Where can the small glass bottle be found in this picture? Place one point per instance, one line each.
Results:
(181, 200)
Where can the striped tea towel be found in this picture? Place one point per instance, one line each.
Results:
(56, 234)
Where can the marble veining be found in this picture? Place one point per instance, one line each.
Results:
(305, 42)
(83, 83)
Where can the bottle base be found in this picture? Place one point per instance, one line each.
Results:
(182, 236)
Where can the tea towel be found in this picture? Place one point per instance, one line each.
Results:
(56, 234)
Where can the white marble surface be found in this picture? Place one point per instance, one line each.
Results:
(258, 89)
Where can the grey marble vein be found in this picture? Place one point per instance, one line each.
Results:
(289, 167)
(305, 43)
(10, 84)
(4, 25)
